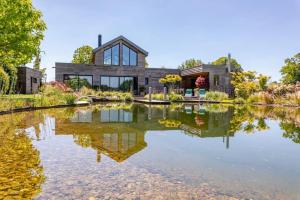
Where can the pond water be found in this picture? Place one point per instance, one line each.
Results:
(134, 151)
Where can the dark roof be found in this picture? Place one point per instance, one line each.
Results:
(121, 37)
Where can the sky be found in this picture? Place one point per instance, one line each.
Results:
(260, 34)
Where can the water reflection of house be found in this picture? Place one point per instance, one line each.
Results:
(120, 133)
(198, 120)
(106, 131)
(108, 115)
(118, 146)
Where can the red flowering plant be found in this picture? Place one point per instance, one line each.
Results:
(201, 82)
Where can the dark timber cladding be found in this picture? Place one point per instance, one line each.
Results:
(120, 65)
(29, 80)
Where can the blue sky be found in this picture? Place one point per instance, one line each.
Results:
(260, 34)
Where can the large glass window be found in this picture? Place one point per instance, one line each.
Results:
(78, 81)
(107, 57)
(104, 82)
(125, 55)
(129, 56)
(115, 54)
(111, 56)
(116, 116)
(116, 83)
(133, 58)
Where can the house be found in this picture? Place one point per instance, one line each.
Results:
(29, 80)
(120, 65)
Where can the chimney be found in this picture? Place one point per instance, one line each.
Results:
(99, 40)
(228, 63)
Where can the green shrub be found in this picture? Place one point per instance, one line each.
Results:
(175, 97)
(85, 91)
(157, 96)
(216, 96)
(160, 96)
(124, 96)
(239, 100)
(70, 98)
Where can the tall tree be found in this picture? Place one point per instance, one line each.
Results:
(262, 81)
(22, 29)
(223, 60)
(37, 61)
(37, 65)
(170, 80)
(190, 63)
(83, 55)
(291, 70)
(245, 83)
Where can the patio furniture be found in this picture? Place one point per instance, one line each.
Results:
(188, 93)
(202, 93)
(188, 109)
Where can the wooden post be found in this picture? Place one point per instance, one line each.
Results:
(165, 93)
(150, 94)
(149, 112)
(165, 112)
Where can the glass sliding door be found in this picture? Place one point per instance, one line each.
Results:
(114, 82)
(119, 83)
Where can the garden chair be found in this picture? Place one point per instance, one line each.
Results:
(202, 93)
(188, 93)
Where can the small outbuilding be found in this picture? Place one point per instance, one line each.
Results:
(29, 80)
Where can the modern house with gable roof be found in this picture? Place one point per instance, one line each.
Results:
(120, 65)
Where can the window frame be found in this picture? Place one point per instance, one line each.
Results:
(146, 80)
(111, 55)
(129, 59)
(118, 44)
(77, 76)
(109, 76)
(216, 79)
(108, 49)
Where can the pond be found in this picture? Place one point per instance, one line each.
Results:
(135, 151)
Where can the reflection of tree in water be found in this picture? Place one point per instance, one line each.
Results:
(291, 131)
(82, 140)
(244, 119)
(250, 119)
(170, 123)
(21, 173)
